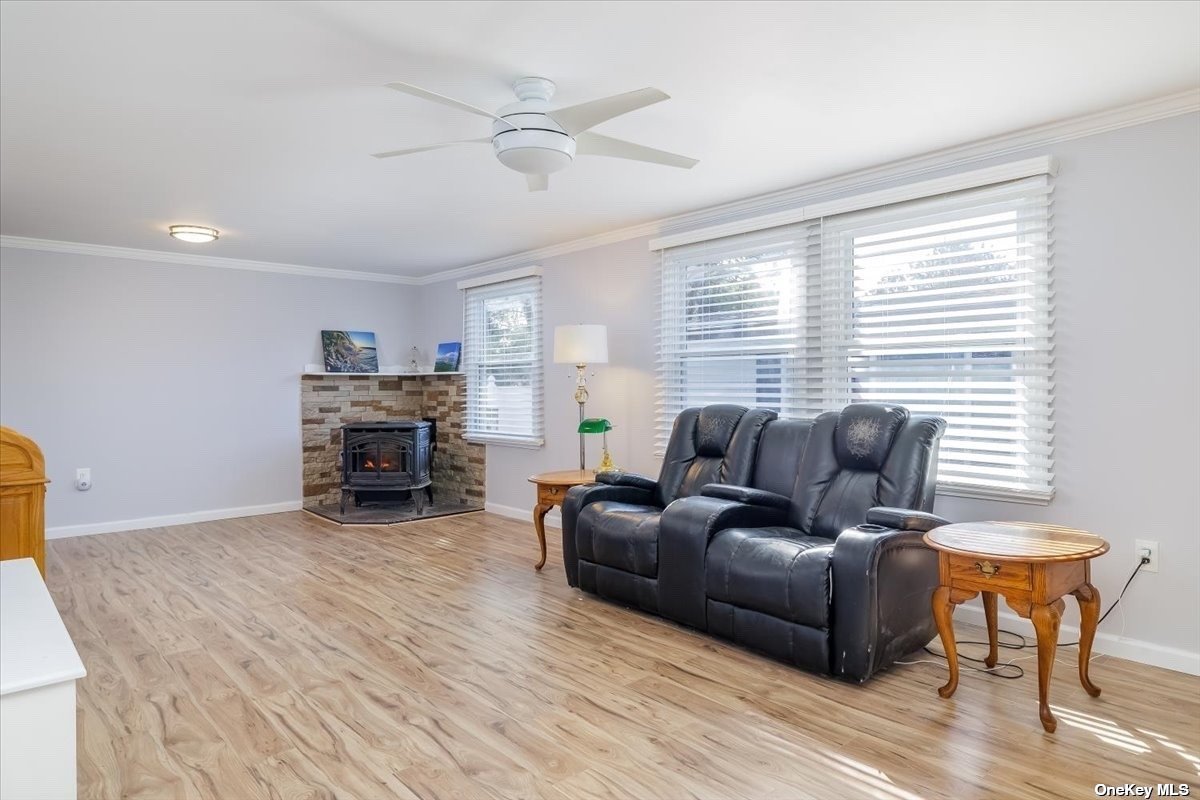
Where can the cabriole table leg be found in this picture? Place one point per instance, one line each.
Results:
(1046, 619)
(539, 525)
(943, 614)
(1089, 617)
(993, 628)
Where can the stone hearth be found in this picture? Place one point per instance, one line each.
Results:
(329, 401)
(388, 513)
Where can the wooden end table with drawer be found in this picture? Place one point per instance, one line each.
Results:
(551, 491)
(1033, 566)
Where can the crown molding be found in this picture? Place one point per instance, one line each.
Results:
(908, 190)
(500, 277)
(963, 155)
(219, 262)
(1185, 102)
(527, 257)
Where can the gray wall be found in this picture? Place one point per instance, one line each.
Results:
(1127, 215)
(177, 385)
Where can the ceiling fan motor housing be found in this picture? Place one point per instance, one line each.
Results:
(541, 146)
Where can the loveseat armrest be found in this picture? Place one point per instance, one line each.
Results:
(620, 478)
(578, 498)
(685, 529)
(905, 519)
(883, 581)
(747, 495)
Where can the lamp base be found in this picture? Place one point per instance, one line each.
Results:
(606, 463)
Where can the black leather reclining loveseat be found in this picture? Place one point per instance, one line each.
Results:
(798, 538)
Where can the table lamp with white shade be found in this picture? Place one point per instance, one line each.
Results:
(581, 345)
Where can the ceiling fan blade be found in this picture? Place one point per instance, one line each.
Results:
(593, 144)
(417, 91)
(538, 183)
(423, 148)
(576, 119)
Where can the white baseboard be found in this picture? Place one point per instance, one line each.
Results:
(66, 531)
(553, 519)
(1156, 655)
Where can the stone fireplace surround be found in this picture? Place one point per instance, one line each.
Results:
(329, 401)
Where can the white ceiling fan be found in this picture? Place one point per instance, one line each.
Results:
(530, 137)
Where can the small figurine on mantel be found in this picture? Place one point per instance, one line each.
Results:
(412, 365)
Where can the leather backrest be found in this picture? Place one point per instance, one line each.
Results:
(779, 452)
(714, 444)
(867, 455)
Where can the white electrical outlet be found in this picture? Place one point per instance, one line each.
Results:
(83, 479)
(1144, 547)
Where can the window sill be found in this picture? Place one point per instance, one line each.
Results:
(998, 495)
(524, 444)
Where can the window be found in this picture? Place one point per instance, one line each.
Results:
(730, 322)
(942, 305)
(502, 358)
(951, 315)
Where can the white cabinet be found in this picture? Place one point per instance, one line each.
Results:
(38, 669)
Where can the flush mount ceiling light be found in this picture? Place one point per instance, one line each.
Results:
(196, 234)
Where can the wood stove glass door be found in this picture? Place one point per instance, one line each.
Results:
(379, 459)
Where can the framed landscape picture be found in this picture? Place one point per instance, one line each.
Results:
(448, 356)
(349, 351)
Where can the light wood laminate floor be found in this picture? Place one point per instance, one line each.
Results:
(283, 657)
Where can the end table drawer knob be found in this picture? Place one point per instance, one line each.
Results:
(988, 575)
(987, 568)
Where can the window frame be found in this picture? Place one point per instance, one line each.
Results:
(526, 285)
(822, 377)
(1019, 218)
(705, 340)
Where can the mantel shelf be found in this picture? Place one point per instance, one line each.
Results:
(380, 374)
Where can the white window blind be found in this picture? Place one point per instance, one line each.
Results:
(943, 305)
(951, 314)
(730, 322)
(502, 358)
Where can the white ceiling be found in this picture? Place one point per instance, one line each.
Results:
(118, 119)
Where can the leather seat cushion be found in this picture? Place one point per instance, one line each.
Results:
(776, 571)
(620, 535)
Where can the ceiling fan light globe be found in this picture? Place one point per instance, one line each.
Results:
(534, 152)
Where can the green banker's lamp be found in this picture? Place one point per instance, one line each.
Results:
(601, 426)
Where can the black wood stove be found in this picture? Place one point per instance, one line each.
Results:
(393, 457)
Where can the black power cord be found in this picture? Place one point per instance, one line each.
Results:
(1024, 643)
(993, 671)
(1143, 561)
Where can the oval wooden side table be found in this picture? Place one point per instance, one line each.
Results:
(551, 491)
(1033, 566)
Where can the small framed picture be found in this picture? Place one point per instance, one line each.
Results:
(448, 356)
(349, 351)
